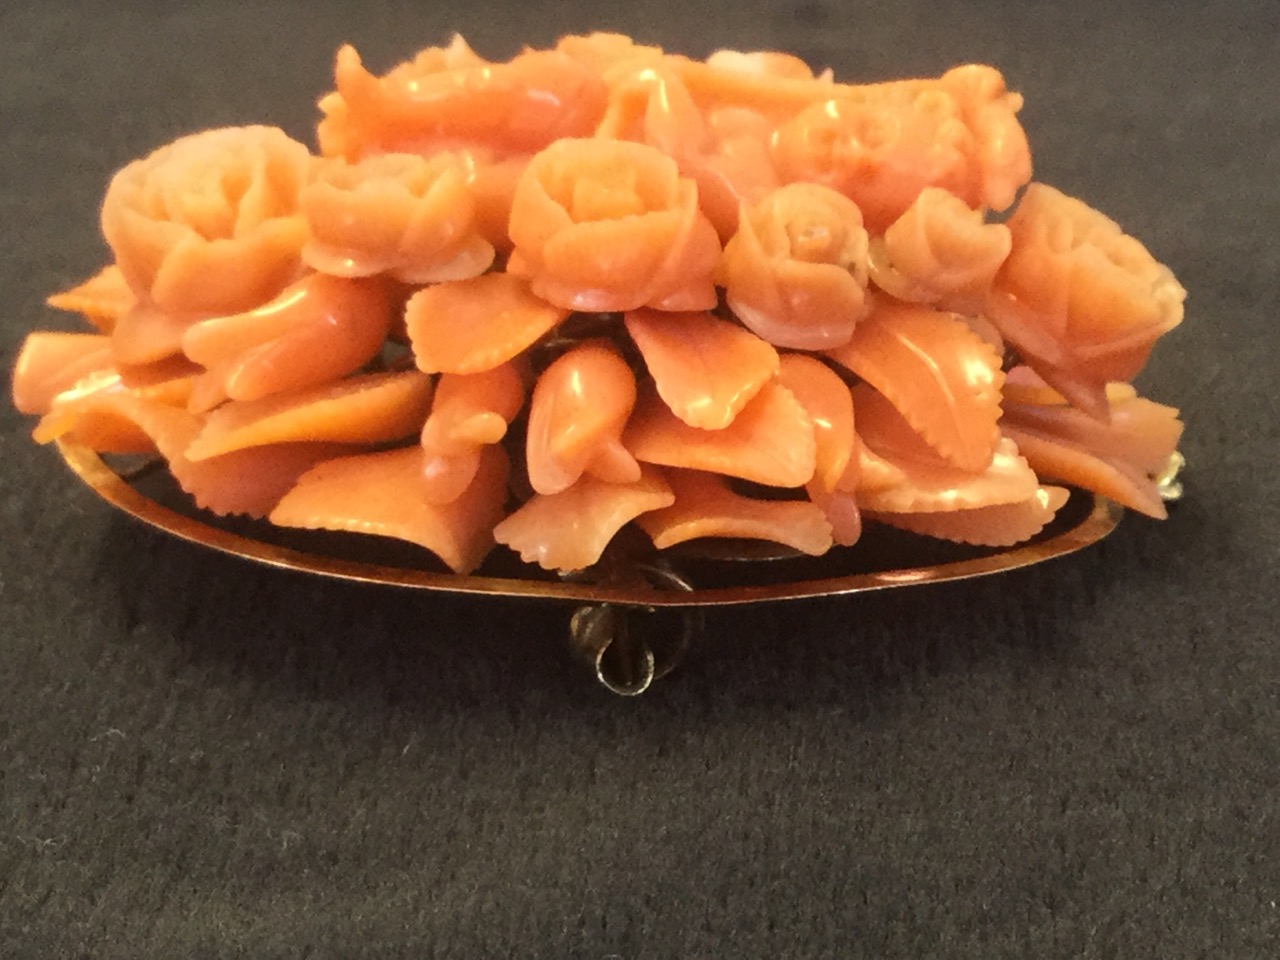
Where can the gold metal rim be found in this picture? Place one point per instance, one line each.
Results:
(1095, 524)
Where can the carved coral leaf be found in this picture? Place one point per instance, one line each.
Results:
(825, 397)
(705, 506)
(580, 405)
(470, 326)
(569, 530)
(380, 493)
(101, 300)
(997, 525)
(900, 473)
(771, 441)
(937, 372)
(706, 370)
(372, 408)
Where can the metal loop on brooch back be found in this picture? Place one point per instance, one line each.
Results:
(625, 661)
(1167, 483)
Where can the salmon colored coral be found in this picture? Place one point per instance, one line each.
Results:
(394, 213)
(606, 225)
(96, 410)
(248, 481)
(654, 281)
(940, 251)
(706, 506)
(49, 363)
(826, 399)
(881, 152)
(990, 111)
(373, 408)
(1082, 301)
(724, 152)
(769, 64)
(601, 51)
(209, 224)
(705, 369)
(469, 326)
(796, 270)
(438, 101)
(101, 300)
(1120, 458)
(316, 331)
(580, 404)
(468, 413)
(900, 473)
(378, 493)
(771, 441)
(942, 377)
(570, 530)
(999, 525)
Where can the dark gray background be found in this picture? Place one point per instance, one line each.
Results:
(199, 757)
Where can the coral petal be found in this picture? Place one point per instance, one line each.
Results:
(579, 407)
(102, 299)
(380, 493)
(570, 530)
(771, 441)
(445, 478)
(373, 408)
(841, 509)
(250, 481)
(706, 370)
(705, 506)
(1058, 459)
(314, 332)
(826, 399)
(469, 411)
(900, 473)
(146, 334)
(938, 373)
(50, 363)
(998, 525)
(469, 326)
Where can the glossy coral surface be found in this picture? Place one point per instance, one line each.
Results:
(603, 289)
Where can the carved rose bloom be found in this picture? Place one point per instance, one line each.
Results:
(881, 150)
(1081, 299)
(939, 249)
(395, 213)
(209, 224)
(795, 273)
(606, 225)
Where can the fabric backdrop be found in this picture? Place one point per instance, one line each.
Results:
(200, 757)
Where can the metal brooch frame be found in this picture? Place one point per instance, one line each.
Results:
(602, 628)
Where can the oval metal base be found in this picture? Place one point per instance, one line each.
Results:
(631, 579)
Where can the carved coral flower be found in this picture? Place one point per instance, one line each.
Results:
(939, 249)
(990, 111)
(605, 225)
(396, 213)
(1081, 299)
(881, 150)
(795, 273)
(210, 224)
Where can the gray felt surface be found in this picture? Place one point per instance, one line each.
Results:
(204, 758)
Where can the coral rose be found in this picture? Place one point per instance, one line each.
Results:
(990, 111)
(209, 224)
(603, 225)
(396, 213)
(1083, 301)
(881, 150)
(795, 273)
(939, 250)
